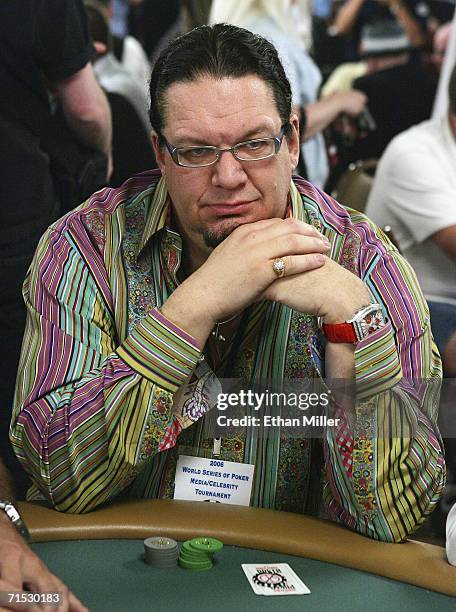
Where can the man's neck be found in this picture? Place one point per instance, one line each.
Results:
(193, 256)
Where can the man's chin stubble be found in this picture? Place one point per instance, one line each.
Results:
(213, 237)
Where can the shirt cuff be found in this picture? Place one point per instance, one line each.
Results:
(377, 364)
(160, 351)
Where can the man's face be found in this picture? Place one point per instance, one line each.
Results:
(210, 202)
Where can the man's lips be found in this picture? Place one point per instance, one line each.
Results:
(230, 208)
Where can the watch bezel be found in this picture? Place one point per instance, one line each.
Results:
(361, 327)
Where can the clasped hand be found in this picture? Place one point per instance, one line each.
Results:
(239, 272)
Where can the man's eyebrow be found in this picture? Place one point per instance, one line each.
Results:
(261, 131)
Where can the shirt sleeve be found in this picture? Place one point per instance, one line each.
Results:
(62, 41)
(384, 462)
(90, 411)
(420, 194)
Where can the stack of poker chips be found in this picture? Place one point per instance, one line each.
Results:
(161, 551)
(197, 554)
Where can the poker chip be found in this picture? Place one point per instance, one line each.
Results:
(188, 548)
(195, 566)
(209, 545)
(161, 551)
(197, 554)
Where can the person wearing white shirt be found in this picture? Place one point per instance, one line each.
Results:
(451, 536)
(414, 192)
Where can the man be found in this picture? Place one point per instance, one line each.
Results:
(451, 536)
(20, 568)
(415, 193)
(129, 51)
(44, 45)
(400, 90)
(110, 73)
(131, 146)
(278, 23)
(125, 292)
(353, 15)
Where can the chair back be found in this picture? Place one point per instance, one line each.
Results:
(355, 184)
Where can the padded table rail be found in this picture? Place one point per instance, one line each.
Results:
(415, 563)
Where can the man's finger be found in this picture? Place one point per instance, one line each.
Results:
(45, 582)
(285, 227)
(11, 572)
(75, 605)
(296, 244)
(305, 263)
(297, 264)
(10, 597)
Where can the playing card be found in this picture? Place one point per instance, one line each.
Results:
(274, 579)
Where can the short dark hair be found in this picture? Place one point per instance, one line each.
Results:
(218, 51)
(452, 91)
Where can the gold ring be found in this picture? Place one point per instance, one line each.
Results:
(278, 265)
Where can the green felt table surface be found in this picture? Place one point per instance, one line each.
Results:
(111, 575)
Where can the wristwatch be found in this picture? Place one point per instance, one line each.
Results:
(366, 321)
(13, 514)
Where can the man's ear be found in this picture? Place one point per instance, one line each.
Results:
(158, 151)
(293, 140)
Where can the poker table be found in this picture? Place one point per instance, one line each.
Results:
(99, 556)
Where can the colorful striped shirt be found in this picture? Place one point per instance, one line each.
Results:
(96, 415)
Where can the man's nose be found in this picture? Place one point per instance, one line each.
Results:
(228, 172)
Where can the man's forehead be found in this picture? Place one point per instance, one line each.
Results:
(208, 99)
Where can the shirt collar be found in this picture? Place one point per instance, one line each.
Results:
(158, 215)
(296, 208)
(159, 212)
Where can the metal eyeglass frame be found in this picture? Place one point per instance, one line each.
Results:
(173, 151)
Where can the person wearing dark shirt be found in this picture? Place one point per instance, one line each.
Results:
(354, 15)
(400, 92)
(44, 46)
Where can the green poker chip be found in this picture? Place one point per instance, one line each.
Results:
(189, 548)
(195, 566)
(207, 545)
(189, 556)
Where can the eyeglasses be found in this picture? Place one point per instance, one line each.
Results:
(249, 150)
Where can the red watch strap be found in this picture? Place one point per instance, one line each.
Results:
(340, 332)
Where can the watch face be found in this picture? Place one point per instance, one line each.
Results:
(370, 323)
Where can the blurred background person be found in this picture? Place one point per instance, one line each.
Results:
(128, 50)
(414, 192)
(131, 145)
(278, 21)
(400, 91)
(354, 15)
(154, 23)
(446, 44)
(110, 73)
(45, 46)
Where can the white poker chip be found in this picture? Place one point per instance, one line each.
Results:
(161, 551)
